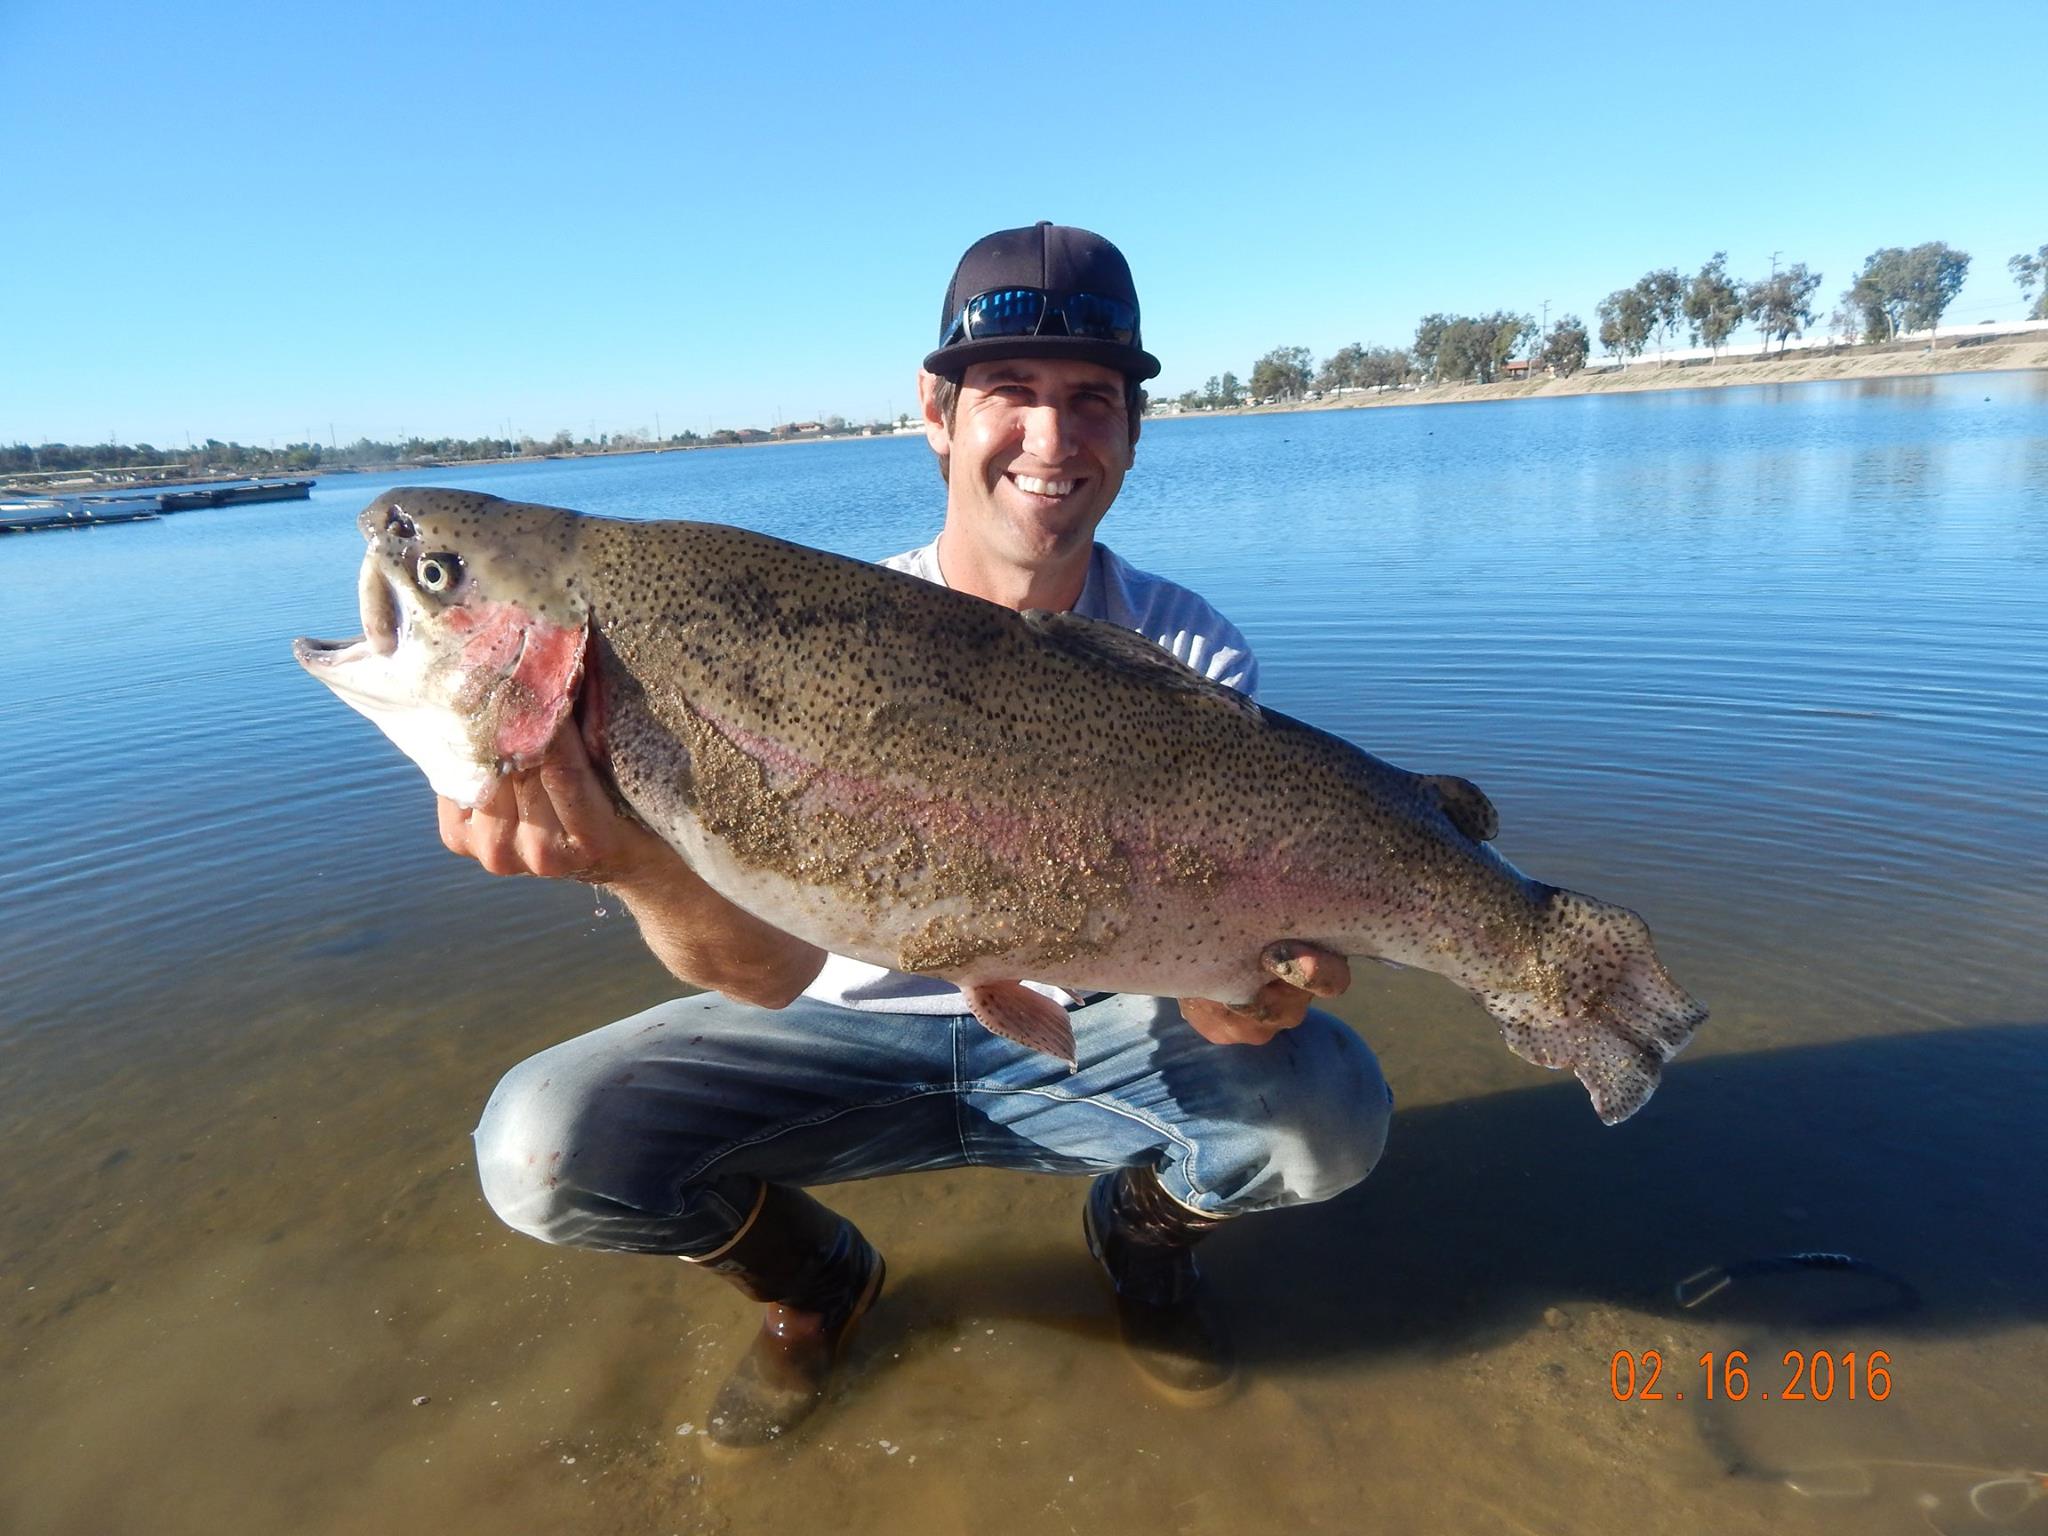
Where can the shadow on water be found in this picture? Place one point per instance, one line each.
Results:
(1485, 1212)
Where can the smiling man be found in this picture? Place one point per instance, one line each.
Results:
(692, 1129)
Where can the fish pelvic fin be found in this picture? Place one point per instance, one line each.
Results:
(1594, 998)
(1031, 1019)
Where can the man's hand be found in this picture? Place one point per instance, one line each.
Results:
(1302, 972)
(557, 820)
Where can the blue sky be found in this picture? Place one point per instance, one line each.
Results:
(266, 221)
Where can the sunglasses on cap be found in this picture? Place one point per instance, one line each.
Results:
(1003, 312)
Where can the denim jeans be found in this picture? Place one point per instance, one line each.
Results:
(652, 1135)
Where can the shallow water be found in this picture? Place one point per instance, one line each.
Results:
(1767, 665)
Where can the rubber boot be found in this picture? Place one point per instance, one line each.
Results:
(818, 1275)
(1145, 1239)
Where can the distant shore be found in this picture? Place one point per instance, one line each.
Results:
(2018, 355)
(1797, 368)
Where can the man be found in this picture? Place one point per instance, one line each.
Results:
(689, 1129)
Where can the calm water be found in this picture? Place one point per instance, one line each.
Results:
(1768, 665)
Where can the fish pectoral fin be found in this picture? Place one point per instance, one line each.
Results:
(1100, 641)
(1031, 1019)
(1466, 804)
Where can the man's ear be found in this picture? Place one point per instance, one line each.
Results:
(935, 430)
(936, 433)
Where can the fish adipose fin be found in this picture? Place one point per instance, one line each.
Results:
(1594, 998)
(1466, 804)
(1014, 1011)
(1100, 642)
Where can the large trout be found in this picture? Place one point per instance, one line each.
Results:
(923, 780)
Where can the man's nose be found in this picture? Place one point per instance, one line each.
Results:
(1046, 433)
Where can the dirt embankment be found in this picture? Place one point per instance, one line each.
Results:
(1793, 369)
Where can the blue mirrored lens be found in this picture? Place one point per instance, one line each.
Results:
(1005, 312)
(1101, 319)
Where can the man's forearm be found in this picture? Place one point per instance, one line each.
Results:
(707, 941)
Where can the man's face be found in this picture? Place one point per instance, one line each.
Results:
(1037, 449)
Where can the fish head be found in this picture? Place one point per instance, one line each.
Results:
(473, 637)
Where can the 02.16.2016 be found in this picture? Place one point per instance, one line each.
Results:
(1816, 1376)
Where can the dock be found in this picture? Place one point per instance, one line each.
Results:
(37, 514)
(233, 495)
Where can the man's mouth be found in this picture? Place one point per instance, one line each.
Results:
(1038, 487)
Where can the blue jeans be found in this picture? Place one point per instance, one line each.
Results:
(652, 1135)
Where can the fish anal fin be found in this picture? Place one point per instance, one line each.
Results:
(1109, 644)
(1466, 804)
(1031, 1019)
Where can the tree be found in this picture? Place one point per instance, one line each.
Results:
(1624, 322)
(1565, 348)
(1476, 346)
(1385, 367)
(1907, 290)
(1782, 306)
(1228, 391)
(2031, 272)
(1429, 337)
(1663, 294)
(1282, 374)
(1342, 368)
(1880, 292)
(1845, 325)
(1713, 304)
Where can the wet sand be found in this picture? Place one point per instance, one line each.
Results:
(234, 1276)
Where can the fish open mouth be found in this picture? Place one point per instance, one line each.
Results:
(383, 624)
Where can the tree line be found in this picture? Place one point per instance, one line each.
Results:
(1899, 289)
(214, 457)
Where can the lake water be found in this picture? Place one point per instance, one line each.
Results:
(1767, 665)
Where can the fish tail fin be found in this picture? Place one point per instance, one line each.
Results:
(1594, 997)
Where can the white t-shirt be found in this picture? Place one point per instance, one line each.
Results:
(1169, 616)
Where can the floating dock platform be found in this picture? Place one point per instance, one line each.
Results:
(37, 513)
(233, 495)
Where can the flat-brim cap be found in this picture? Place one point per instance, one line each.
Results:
(1062, 261)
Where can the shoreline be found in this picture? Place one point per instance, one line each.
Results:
(2006, 357)
(2019, 356)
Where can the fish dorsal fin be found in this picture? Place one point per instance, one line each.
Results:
(1466, 804)
(1126, 650)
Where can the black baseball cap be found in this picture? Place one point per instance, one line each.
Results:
(1060, 262)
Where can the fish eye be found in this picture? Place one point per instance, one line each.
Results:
(440, 572)
(401, 525)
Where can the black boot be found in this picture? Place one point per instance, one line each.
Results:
(1145, 1239)
(818, 1276)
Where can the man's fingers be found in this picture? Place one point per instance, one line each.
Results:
(573, 786)
(1310, 967)
(1223, 1024)
(454, 823)
(494, 832)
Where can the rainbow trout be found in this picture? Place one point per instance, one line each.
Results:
(924, 780)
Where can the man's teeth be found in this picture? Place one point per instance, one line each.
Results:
(1039, 487)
